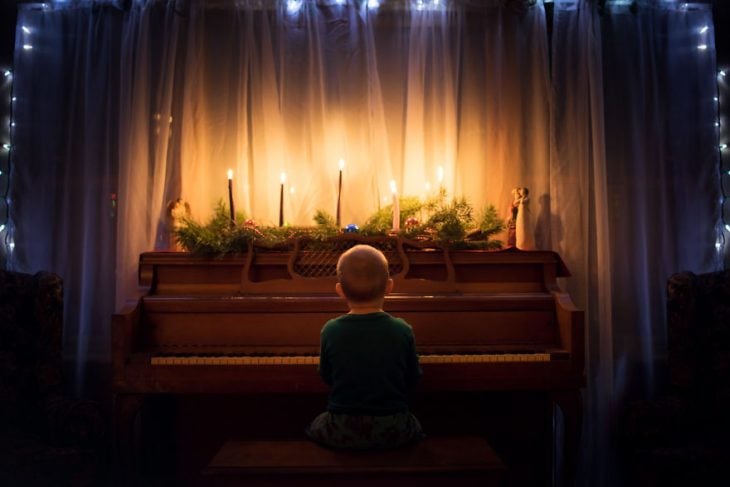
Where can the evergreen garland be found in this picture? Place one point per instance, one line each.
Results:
(447, 222)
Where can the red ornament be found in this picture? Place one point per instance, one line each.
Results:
(250, 223)
(411, 222)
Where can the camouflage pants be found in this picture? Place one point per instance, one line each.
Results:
(362, 432)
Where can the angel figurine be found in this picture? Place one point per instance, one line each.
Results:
(524, 231)
(177, 211)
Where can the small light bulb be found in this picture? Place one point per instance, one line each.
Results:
(1, 172)
(8, 73)
(26, 30)
(293, 6)
(721, 73)
(6, 146)
(2, 227)
(718, 245)
(714, 98)
(27, 47)
(702, 47)
(722, 146)
(717, 124)
(704, 29)
(12, 246)
(14, 98)
(727, 227)
(373, 3)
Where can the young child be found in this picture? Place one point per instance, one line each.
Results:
(369, 360)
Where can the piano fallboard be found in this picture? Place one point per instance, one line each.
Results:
(291, 324)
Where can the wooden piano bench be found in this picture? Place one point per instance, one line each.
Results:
(456, 460)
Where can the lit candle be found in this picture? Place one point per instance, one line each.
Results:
(339, 191)
(230, 195)
(396, 206)
(281, 200)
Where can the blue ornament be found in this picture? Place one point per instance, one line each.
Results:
(352, 228)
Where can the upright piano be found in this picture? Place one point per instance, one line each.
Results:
(250, 323)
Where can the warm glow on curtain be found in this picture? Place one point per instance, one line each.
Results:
(394, 91)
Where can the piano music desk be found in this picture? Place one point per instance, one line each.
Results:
(462, 461)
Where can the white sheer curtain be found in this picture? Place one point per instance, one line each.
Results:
(120, 110)
(634, 182)
(271, 87)
(170, 94)
(65, 160)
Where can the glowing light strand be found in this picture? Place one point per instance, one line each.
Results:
(6, 154)
(724, 172)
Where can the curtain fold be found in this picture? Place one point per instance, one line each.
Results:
(65, 162)
(634, 185)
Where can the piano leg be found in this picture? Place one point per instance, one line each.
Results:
(126, 438)
(571, 406)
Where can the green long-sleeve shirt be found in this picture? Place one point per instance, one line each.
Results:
(370, 362)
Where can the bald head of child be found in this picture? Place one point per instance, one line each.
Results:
(363, 277)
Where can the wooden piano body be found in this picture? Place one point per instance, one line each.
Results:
(483, 321)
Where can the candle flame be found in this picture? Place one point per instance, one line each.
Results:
(393, 188)
(283, 178)
(230, 174)
(440, 174)
(342, 164)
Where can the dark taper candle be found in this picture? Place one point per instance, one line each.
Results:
(230, 195)
(281, 200)
(339, 191)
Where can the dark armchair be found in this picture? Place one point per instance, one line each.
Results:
(46, 438)
(681, 436)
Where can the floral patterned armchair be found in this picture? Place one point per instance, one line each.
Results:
(46, 438)
(681, 436)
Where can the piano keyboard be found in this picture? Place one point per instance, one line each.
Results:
(314, 360)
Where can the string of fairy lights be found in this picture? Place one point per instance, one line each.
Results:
(724, 169)
(6, 132)
(720, 95)
(7, 129)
